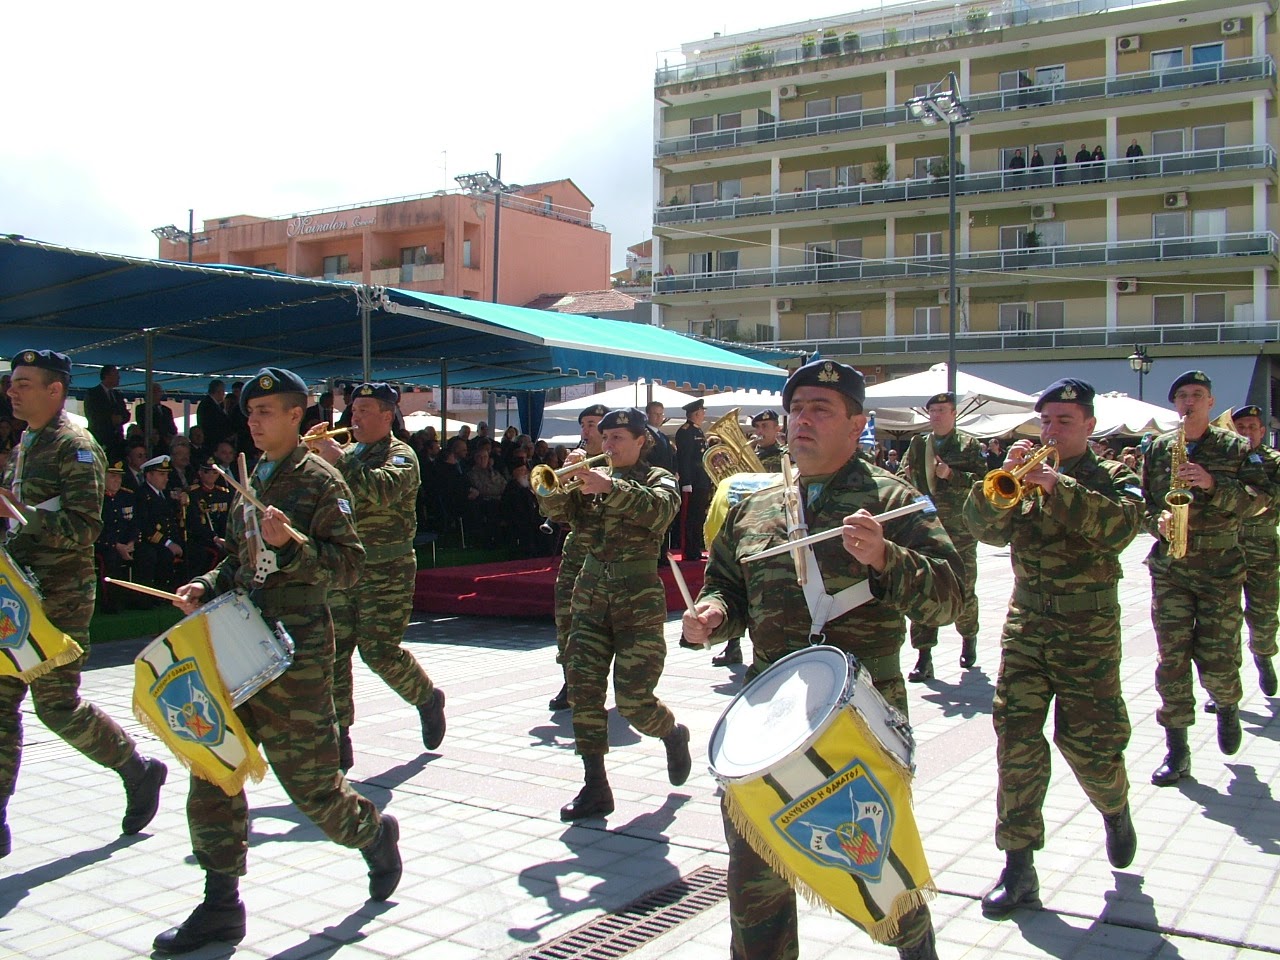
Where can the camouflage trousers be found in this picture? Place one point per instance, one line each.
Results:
(372, 618)
(57, 701)
(1199, 624)
(1261, 590)
(1071, 660)
(762, 906)
(293, 719)
(617, 621)
(926, 637)
(566, 577)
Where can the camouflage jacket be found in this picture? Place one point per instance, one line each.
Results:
(384, 480)
(921, 579)
(963, 455)
(1264, 523)
(771, 457)
(1069, 541)
(1241, 487)
(626, 524)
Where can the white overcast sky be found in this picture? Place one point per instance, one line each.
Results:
(121, 116)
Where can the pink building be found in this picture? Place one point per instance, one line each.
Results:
(436, 243)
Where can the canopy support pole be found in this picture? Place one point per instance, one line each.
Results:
(148, 415)
(366, 335)
(444, 402)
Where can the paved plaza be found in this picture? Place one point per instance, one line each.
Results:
(491, 872)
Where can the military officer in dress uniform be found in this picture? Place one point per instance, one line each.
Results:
(766, 425)
(159, 534)
(119, 536)
(695, 484)
(382, 472)
(209, 501)
(944, 463)
(56, 478)
(292, 717)
(1061, 637)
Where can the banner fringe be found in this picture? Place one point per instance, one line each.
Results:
(69, 655)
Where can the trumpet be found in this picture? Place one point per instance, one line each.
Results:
(546, 481)
(1004, 488)
(327, 435)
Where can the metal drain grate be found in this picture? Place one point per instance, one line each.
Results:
(636, 924)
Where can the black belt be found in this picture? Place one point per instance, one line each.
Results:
(618, 569)
(387, 551)
(289, 595)
(1213, 541)
(1064, 602)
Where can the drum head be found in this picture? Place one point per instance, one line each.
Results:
(779, 713)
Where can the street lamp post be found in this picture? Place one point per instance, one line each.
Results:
(177, 235)
(942, 103)
(1140, 364)
(484, 183)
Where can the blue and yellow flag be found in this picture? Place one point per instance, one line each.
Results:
(180, 696)
(30, 646)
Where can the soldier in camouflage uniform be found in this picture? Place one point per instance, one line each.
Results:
(292, 717)
(944, 463)
(382, 472)
(1061, 637)
(619, 605)
(55, 477)
(572, 551)
(1195, 599)
(909, 565)
(1261, 555)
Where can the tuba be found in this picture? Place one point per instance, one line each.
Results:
(1004, 488)
(1178, 499)
(728, 450)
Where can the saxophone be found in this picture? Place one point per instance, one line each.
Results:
(1178, 499)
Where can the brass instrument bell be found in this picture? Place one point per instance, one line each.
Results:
(1004, 488)
(545, 481)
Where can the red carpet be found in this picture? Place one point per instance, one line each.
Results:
(518, 588)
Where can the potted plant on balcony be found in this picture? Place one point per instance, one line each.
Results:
(753, 56)
(1032, 240)
(880, 170)
(939, 168)
(385, 263)
(976, 20)
(830, 42)
(850, 42)
(891, 36)
(808, 47)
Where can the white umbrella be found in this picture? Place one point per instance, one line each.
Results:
(972, 393)
(749, 402)
(413, 422)
(560, 420)
(1116, 413)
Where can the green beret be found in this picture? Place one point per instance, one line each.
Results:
(1067, 390)
(764, 415)
(839, 377)
(595, 410)
(44, 359)
(1249, 410)
(624, 418)
(269, 381)
(1197, 377)
(377, 391)
(945, 397)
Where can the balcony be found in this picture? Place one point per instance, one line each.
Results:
(1121, 254)
(972, 184)
(1124, 338)
(1098, 88)
(408, 273)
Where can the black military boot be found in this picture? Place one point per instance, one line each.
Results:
(219, 919)
(433, 723)
(6, 839)
(968, 652)
(1211, 705)
(1229, 729)
(926, 949)
(346, 752)
(1177, 762)
(923, 669)
(1122, 841)
(595, 799)
(143, 779)
(383, 858)
(679, 763)
(1266, 675)
(561, 700)
(732, 654)
(1018, 886)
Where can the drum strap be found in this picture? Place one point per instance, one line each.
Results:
(825, 607)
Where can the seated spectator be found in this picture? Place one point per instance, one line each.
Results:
(995, 455)
(541, 452)
(487, 485)
(182, 471)
(224, 454)
(198, 444)
(559, 456)
(507, 447)
(521, 518)
(135, 455)
(455, 494)
(115, 545)
(159, 547)
(206, 521)
(891, 462)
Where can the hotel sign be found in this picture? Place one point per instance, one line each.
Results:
(307, 226)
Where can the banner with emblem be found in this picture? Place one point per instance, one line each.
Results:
(179, 695)
(30, 646)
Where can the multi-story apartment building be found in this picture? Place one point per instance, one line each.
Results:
(437, 243)
(797, 202)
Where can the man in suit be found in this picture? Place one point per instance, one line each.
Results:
(211, 415)
(695, 484)
(163, 426)
(107, 412)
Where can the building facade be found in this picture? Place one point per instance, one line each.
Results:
(797, 203)
(436, 243)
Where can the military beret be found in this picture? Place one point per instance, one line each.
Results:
(44, 359)
(694, 406)
(840, 377)
(117, 467)
(595, 410)
(1067, 390)
(1196, 377)
(1249, 410)
(945, 397)
(269, 381)
(624, 418)
(377, 391)
(764, 415)
(156, 463)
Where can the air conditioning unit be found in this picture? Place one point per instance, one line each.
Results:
(788, 91)
(1127, 285)
(944, 295)
(1128, 44)
(785, 305)
(1175, 201)
(1234, 25)
(1042, 211)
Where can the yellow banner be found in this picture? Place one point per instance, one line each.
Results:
(180, 696)
(836, 823)
(30, 646)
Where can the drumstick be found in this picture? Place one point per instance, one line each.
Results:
(255, 502)
(142, 588)
(684, 587)
(922, 504)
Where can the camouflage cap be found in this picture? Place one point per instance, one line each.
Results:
(270, 381)
(44, 359)
(1196, 377)
(765, 415)
(840, 377)
(378, 391)
(945, 397)
(624, 418)
(1248, 410)
(595, 410)
(1067, 390)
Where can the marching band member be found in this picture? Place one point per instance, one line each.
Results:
(293, 717)
(908, 567)
(1061, 637)
(56, 480)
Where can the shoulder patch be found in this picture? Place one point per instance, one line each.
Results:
(1132, 490)
(344, 506)
(1255, 458)
(667, 482)
(84, 456)
(929, 505)
(398, 461)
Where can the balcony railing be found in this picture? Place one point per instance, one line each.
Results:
(967, 184)
(1118, 254)
(1052, 339)
(1149, 81)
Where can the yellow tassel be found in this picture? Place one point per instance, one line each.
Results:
(69, 655)
(253, 769)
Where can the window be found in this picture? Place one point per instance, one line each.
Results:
(702, 125)
(466, 254)
(1014, 80)
(701, 328)
(763, 332)
(921, 166)
(819, 253)
(928, 321)
(1209, 308)
(410, 256)
(817, 108)
(819, 179)
(1208, 223)
(1208, 138)
(1166, 59)
(1048, 151)
(702, 193)
(1013, 238)
(849, 103)
(1046, 76)
(928, 244)
(1052, 233)
(547, 202)
(849, 324)
(817, 326)
(727, 329)
(727, 260)
(730, 189)
(1014, 316)
(849, 250)
(1167, 310)
(1007, 154)
(700, 262)
(1050, 315)
(264, 266)
(1206, 53)
(336, 265)
(1167, 225)
(1168, 141)
(729, 121)
(921, 90)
